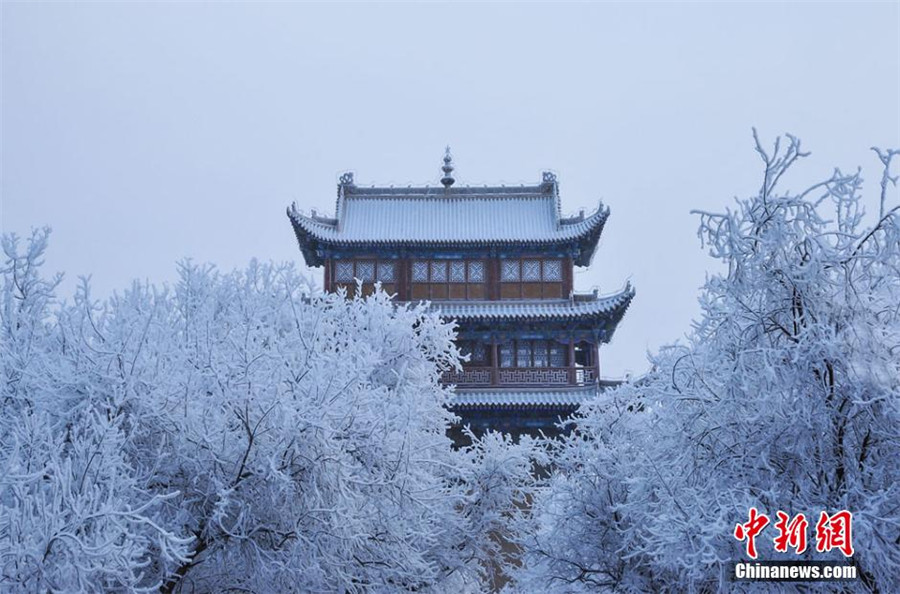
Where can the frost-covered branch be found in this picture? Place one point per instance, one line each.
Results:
(782, 399)
(236, 432)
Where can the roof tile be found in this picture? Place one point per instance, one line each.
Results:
(562, 397)
(581, 307)
(455, 215)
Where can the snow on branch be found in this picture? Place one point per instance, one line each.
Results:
(782, 399)
(235, 431)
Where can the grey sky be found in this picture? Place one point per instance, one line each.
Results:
(145, 133)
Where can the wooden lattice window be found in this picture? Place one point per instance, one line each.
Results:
(531, 270)
(420, 271)
(347, 272)
(557, 354)
(476, 350)
(386, 272)
(365, 271)
(507, 355)
(476, 271)
(457, 272)
(531, 278)
(448, 279)
(343, 271)
(523, 353)
(509, 271)
(552, 271)
(539, 353)
(439, 272)
(532, 353)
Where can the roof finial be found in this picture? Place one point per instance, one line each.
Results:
(447, 180)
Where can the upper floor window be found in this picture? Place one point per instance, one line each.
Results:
(552, 271)
(442, 271)
(420, 272)
(510, 271)
(365, 271)
(343, 271)
(346, 273)
(531, 278)
(532, 353)
(447, 279)
(476, 271)
(475, 350)
(386, 271)
(438, 272)
(530, 271)
(457, 272)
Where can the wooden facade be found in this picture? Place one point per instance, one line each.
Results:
(455, 279)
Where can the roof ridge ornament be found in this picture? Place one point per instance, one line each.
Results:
(549, 183)
(345, 182)
(447, 168)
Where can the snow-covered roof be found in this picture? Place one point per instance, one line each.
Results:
(515, 398)
(448, 216)
(579, 307)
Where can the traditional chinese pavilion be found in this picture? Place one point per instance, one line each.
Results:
(497, 260)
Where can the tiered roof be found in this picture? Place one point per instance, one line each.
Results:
(580, 306)
(448, 216)
(597, 311)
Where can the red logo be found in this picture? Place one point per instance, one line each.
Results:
(835, 532)
(832, 532)
(750, 530)
(790, 534)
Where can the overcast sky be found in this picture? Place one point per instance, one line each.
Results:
(146, 133)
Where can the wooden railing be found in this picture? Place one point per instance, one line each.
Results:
(470, 376)
(585, 375)
(521, 376)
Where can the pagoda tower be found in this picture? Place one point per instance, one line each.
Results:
(497, 260)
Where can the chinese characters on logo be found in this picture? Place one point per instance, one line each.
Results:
(835, 532)
(832, 532)
(790, 534)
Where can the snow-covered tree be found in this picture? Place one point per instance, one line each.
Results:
(784, 398)
(73, 515)
(237, 432)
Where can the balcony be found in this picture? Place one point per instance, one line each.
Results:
(521, 376)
